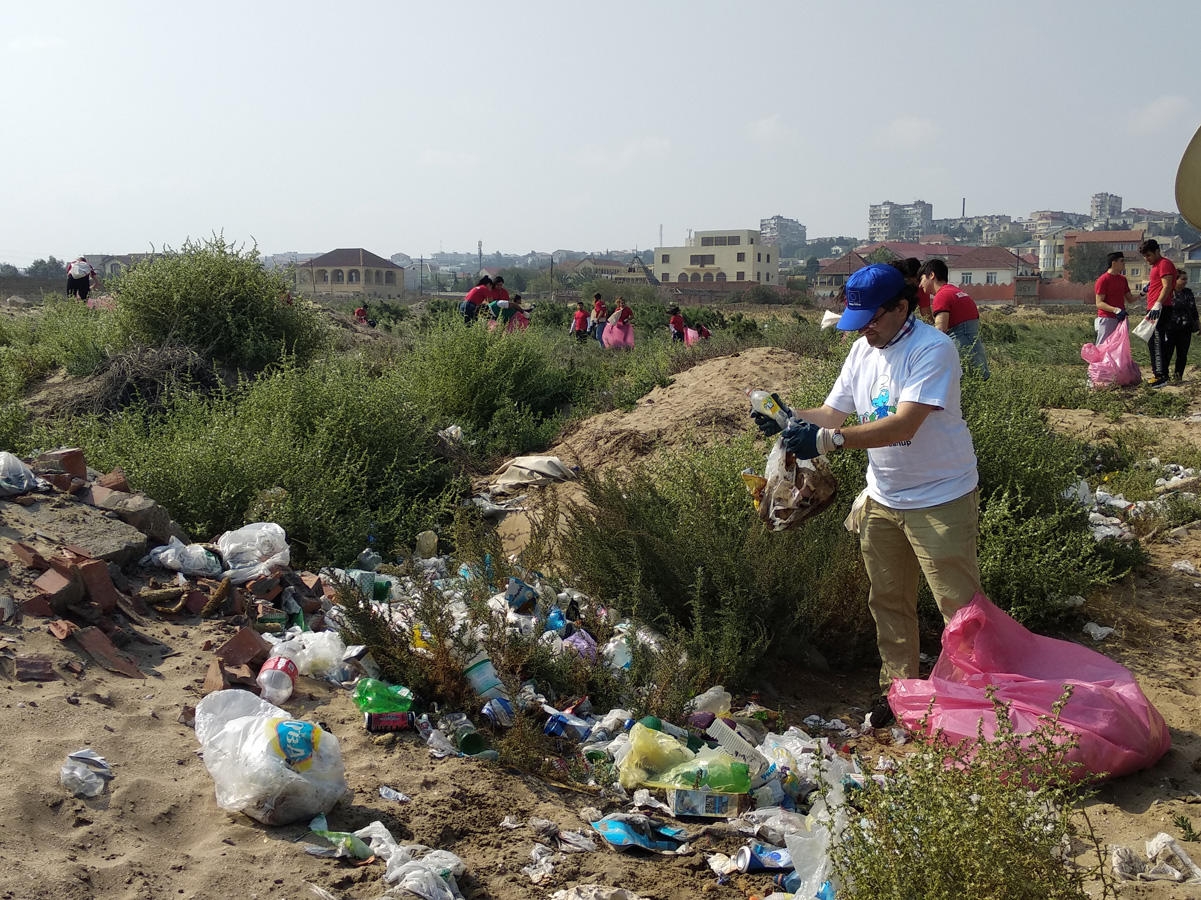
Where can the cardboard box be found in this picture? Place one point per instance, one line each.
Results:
(707, 804)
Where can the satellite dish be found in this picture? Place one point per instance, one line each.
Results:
(1188, 182)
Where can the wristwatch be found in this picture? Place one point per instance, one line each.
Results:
(837, 438)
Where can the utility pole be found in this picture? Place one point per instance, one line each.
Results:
(479, 249)
(420, 266)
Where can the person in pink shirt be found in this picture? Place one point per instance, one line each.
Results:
(1160, 288)
(1113, 293)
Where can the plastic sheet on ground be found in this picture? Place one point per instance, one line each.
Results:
(429, 874)
(1166, 861)
(530, 471)
(1119, 730)
(17, 478)
(625, 831)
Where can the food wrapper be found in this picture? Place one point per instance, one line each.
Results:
(792, 491)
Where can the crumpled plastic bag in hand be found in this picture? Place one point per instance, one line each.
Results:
(253, 550)
(17, 478)
(790, 490)
(191, 559)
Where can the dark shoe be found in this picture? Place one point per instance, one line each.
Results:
(1157, 383)
(881, 715)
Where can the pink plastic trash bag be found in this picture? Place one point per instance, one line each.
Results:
(1110, 361)
(691, 336)
(618, 335)
(1119, 730)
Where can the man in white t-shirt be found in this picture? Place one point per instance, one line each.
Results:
(81, 277)
(921, 513)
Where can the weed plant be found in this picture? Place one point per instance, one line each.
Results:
(217, 299)
(987, 819)
(343, 455)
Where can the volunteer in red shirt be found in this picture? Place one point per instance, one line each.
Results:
(600, 315)
(676, 324)
(579, 323)
(911, 268)
(1160, 288)
(498, 289)
(955, 314)
(476, 297)
(1113, 292)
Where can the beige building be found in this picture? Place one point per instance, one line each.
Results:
(351, 271)
(719, 256)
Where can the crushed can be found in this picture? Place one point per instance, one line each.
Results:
(379, 723)
(760, 857)
(499, 712)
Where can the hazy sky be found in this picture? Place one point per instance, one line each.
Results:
(406, 126)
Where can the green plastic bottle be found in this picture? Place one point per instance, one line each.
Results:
(374, 696)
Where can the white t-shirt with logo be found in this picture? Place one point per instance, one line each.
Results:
(939, 464)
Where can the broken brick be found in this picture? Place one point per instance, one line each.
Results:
(214, 678)
(69, 460)
(30, 557)
(35, 667)
(195, 601)
(62, 628)
(247, 646)
(114, 480)
(99, 585)
(60, 480)
(312, 582)
(98, 646)
(38, 606)
(58, 588)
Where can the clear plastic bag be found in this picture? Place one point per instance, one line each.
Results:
(795, 489)
(253, 550)
(16, 477)
(191, 559)
(266, 764)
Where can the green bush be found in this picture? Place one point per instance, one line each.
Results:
(983, 819)
(216, 299)
(336, 455)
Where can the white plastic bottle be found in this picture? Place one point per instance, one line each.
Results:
(277, 677)
(762, 402)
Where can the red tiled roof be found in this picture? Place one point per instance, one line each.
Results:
(351, 256)
(844, 265)
(984, 258)
(1106, 237)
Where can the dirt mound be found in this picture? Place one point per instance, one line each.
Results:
(707, 402)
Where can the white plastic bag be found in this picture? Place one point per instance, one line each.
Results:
(1144, 329)
(320, 653)
(266, 764)
(16, 477)
(191, 559)
(253, 550)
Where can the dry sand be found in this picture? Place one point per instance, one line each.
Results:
(157, 831)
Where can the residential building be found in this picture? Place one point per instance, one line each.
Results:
(1125, 241)
(109, 264)
(889, 221)
(1190, 263)
(832, 276)
(1104, 207)
(719, 256)
(1050, 252)
(782, 232)
(351, 271)
(599, 267)
(1043, 220)
(971, 223)
(637, 272)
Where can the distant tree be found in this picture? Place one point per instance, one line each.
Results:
(1086, 263)
(47, 268)
(881, 255)
(518, 279)
(1186, 232)
(1012, 237)
(8, 270)
(812, 267)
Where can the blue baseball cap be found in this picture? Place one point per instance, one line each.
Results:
(867, 290)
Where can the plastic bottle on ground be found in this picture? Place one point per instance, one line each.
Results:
(374, 696)
(277, 677)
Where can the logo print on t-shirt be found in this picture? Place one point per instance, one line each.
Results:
(880, 402)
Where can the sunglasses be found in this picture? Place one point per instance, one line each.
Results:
(874, 319)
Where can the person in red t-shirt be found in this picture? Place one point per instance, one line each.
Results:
(955, 313)
(476, 297)
(1160, 288)
(579, 323)
(499, 291)
(1113, 293)
(911, 268)
(600, 316)
(676, 324)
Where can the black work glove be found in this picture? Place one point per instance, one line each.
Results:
(1120, 315)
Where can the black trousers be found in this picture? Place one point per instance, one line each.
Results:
(1177, 341)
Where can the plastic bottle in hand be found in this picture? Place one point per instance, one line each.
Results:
(277, 677)
(765, 404)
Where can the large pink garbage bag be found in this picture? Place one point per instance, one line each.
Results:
(1118, 728)
(618, 334)
(691, 336)
(1110, 361)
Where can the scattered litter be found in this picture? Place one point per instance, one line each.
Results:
(85, 773)
(430, 874)
(1097, 632)
(319, 892)
(253, 550)
(595, 892)
(643, 799)
(394, 795)
(339, 844)
(542, 865)
(190, 559)
(1183, 565)
(510, 822)
(17, 478)
(624, 831)
(1166, 861)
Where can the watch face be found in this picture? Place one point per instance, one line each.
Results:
(838, 439)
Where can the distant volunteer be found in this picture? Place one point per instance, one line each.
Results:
(955, 313)
(1112, 292)
(475, 298)
(599, 318)
(1161, 287)
(80, 278)
(920, 510)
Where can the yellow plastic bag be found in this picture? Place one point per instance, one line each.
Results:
(651, 752)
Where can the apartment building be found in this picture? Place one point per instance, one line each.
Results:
(719, 256)
(890, 221)
(782, 232)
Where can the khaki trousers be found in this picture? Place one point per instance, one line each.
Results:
(940, 541)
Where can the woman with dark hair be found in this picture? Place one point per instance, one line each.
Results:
(619, 333)
(476, 297)
(911, 268)
(600, 316)
(676, 324)
(1183, 323)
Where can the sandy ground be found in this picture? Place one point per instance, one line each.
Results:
(157, 831)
